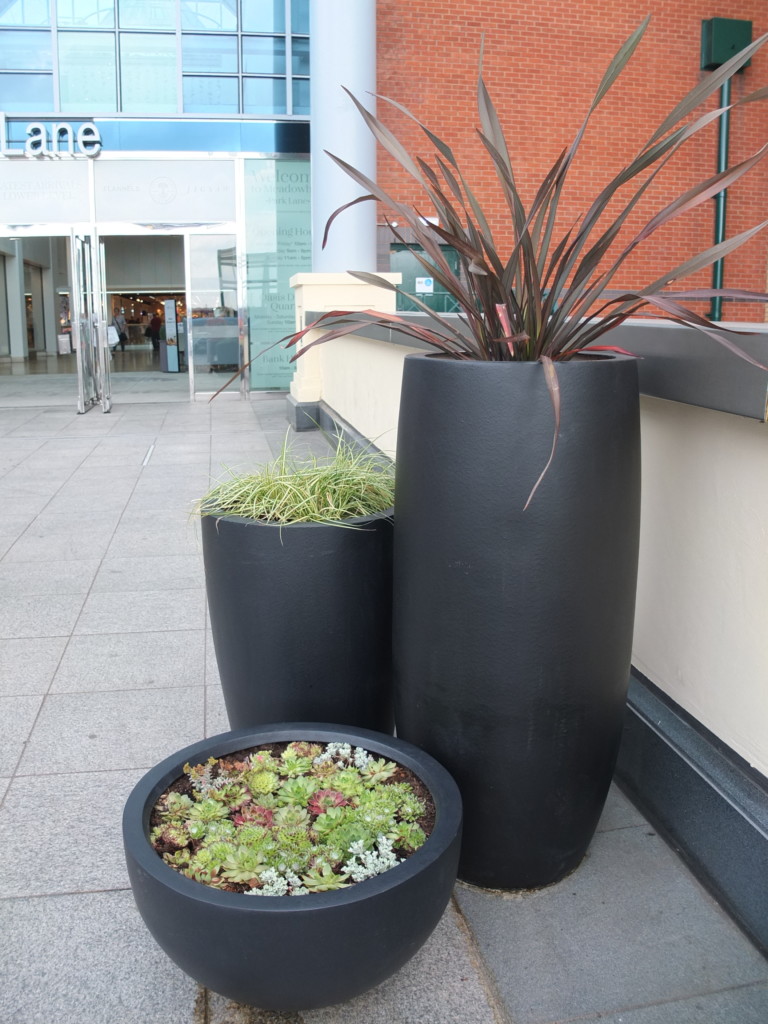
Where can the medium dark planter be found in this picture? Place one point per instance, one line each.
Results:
(302, 619)
(512, 628)
(295, 952)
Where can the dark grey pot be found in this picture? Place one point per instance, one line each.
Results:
(295, 952)
(512, 628)
(302, 619)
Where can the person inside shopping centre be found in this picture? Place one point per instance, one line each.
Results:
(155, 324)
(118, 322)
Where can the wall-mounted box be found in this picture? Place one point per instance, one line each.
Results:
(721, 39)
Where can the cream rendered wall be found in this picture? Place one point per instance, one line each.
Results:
(357, 377)
(701, 628)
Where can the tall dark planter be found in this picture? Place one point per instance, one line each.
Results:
(301, 618)
(512, 628)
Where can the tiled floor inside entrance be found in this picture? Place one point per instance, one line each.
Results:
(106, 666)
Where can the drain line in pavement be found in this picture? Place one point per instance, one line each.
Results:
(148, 456)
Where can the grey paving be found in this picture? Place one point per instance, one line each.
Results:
(70, 824)
(131, 661)
(60, 536)
(138, 612)
(630, 928)
(174, 572)
(107, 666)
(17, 716)
(19, 579)
(28, 665)
(112, 729)
(39, 614)
(86, 958)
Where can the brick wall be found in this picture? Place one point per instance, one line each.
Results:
(543, 62)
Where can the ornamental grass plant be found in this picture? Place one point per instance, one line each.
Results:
(346, 485)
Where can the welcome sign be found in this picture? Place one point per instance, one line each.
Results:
(52, 139)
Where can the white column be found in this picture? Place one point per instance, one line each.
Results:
(342, 53)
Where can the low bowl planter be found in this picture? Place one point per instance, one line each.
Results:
(295, 952)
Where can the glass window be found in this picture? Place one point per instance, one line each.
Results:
(29, 13)
(278, 234)
(26, 92)
(300, 16)
(209, 53)
(264, 96)
(264, 55)
(147, 13)
(209, 15)
(87, 72)
(301, 96)
(85, 13)
(210, 95)
(148, 73)
(300, 56)
(266, 16)
(26, 50)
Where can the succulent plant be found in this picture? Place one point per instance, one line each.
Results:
(289, 821)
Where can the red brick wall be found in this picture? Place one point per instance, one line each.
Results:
(543, 62)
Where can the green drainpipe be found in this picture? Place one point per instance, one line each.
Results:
(715, 312)
(721, 39)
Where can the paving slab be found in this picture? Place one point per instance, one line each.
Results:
(19, 579)
(17, 716)
(72, 825)
(216, 720)
(743, 1005)
(28, 665)
(87, 959)
(156, 532)
(630, 927)
(172, 572)
(137, 612)
(118, 729)
(54, 537)
(41, 615)
(131, 661)
(14, 522)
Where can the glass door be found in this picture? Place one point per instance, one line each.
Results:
(89, 327)
(215, 327)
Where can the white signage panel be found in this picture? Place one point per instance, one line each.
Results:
(165, 191)
(425, 285)
(35, 192)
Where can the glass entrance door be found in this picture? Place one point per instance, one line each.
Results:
(89, 326)
(215, 326)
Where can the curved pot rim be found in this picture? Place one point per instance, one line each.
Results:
(352, 521)
(439, 782)
(597, 358)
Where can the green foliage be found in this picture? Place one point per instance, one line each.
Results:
(553, 293)
(261, 782)
(348, 484)
(323, 879)
(298, 790)
(301, 834)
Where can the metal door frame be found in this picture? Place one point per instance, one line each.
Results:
(88, 319)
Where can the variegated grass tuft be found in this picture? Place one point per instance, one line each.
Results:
(311, 489)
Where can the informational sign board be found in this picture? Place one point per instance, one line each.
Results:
(171, 344)
(425, 285)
